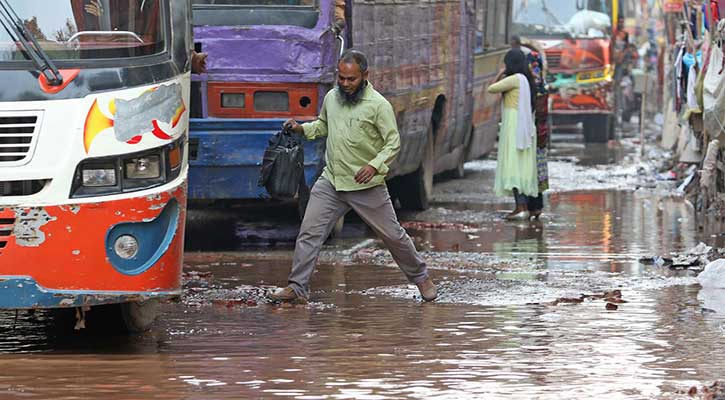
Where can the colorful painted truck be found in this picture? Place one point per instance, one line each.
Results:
(577, 38)
(272, 60)
(93, 153)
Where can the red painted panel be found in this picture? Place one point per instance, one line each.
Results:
(296, 92)
(72, 255)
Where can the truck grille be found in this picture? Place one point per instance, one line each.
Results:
(553, 58)
(6, 228)
(21, 188)
(18, 135)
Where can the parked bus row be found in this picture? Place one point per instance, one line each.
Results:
(432, 60)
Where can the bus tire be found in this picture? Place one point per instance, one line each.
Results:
(460, 171)
(597, 128)
(416, 189)
(138, 316)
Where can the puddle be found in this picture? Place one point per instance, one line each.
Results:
(502, 328)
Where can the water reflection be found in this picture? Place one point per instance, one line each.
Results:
(599, 230)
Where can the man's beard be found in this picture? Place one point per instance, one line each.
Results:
(351, 99)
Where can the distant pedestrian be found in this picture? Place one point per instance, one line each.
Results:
(537, 65)
(362, 141)
(516, 169)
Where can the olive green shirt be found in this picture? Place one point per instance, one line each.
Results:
(357, 135)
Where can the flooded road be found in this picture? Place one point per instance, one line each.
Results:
(526, 309)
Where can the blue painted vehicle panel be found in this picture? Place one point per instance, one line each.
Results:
(227, 158)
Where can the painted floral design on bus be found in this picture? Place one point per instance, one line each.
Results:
(157, 110)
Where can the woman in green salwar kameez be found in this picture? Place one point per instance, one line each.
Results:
(516, 168)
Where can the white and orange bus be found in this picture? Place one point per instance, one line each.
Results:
(93, 160)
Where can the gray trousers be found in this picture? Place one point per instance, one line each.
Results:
(374, 206)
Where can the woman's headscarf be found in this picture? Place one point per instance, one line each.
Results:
(517, 63)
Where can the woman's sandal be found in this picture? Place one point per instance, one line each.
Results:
(522, 215)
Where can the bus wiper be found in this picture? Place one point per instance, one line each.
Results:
(19, 33)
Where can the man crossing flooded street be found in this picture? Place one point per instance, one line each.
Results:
(362, 140)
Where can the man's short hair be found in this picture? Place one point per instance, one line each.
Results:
(351, 56)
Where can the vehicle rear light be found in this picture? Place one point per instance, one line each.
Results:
(263, 100)
(232, 100)
(271, 101)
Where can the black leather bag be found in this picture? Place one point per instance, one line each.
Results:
(283, 173)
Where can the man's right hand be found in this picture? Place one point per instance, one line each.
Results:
(293, 126)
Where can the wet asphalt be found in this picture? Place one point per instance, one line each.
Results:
(563, 308)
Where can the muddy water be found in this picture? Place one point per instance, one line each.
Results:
(497, 330)
(600, 230)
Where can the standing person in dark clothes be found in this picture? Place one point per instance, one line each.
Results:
(516, 161)
(537, 65)
(362, 141)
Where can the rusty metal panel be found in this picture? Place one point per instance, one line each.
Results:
(419, 50)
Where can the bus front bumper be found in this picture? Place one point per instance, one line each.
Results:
(73, 255)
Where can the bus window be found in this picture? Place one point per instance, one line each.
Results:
(88, 29)
(488, 38)
(303, 13)
(502, 14)
(480, 9)
(307, 3)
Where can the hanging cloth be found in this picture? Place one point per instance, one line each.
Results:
(525, 129)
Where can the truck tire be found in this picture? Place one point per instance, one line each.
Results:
(598, 128)
(139, 315)
(416, 189)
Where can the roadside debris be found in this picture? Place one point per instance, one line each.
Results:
(694, 258)
(715, 391)
(612, 298)
(214, 295)
(231, 303)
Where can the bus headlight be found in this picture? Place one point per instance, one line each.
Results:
(129, 173)
(126, 247)
(147, 167)
(99, 176)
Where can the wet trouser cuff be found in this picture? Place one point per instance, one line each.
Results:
(420, 278)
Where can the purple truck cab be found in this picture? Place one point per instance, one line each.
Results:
(267, 61)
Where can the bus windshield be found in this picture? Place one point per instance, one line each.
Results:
(562, 18)
(88, 29)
